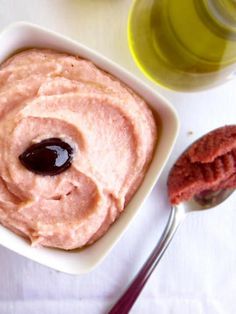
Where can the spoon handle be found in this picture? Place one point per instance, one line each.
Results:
(126, 301)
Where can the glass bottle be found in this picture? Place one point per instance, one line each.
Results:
(184, 45)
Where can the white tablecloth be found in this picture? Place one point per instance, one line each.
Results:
(197, 274)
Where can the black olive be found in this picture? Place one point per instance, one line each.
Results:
(49, 157)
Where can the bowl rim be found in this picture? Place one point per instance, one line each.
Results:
(40, 254)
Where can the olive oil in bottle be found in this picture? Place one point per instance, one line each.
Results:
(192, 42)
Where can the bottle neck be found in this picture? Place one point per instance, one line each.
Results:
(223, 11)
(219, 16)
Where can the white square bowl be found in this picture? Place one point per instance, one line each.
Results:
(24, 35)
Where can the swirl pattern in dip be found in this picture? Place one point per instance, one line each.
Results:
(46, 94)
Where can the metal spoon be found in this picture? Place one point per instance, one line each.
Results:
(208, 200)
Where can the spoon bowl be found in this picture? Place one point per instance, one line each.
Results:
(206, 199)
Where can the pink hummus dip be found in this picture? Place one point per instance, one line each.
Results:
(208, 165)
(47, 94)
